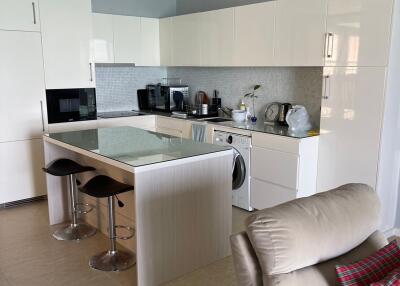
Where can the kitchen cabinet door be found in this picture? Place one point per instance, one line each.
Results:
(73, 126)
(187, 40)
(217, 30)
(149, 42)
(351, 120)
(166, 41)
(146, 122)
(19, 15)
(254, 34)
(103, 38)
(21, 175)
(126, 39)
(300, 32)
(358, 32)
(22, 96)
(66, 34)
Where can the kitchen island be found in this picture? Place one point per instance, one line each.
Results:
(181, 205)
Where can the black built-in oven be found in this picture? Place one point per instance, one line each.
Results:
(67, 105)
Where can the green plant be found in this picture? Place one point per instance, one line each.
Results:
(252, 94)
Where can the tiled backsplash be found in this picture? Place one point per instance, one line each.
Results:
(294, 85)
(117, 85)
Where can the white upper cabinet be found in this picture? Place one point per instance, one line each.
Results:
(21, 15)
(22, 96)
(149, 42)
(66, 34)
(126, 39)
(166, 41)
(103, 38)
(186, 49)
(254, 34)
(358, 32)
(300, 32)
(217, 31)
(351, 121)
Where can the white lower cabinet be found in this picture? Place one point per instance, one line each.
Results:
(143, 122)
(266, 195)
(174, 127)
(72, 126)
(282, 169)
(21, 175)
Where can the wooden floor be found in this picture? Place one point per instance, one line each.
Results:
(30, 256)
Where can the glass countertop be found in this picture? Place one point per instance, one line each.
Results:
(269, 129)
(135, 147)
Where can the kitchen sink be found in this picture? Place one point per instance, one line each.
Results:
(217, 119)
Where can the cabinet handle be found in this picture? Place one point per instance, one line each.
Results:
(326, 81)
(34, 12)
(91, 71)
(41, 110)
(329, 45)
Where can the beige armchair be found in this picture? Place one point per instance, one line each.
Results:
(300, 242)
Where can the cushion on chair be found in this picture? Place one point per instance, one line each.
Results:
(312, 230)
(324, 274)
(247, 268)
(392, 279)
(370, 269)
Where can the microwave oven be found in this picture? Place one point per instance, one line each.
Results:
(168, 98)
(67, 105)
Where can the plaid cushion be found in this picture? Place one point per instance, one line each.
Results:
(371, 269)
(392, 279)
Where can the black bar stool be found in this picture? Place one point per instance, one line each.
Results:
(75, 230)
(113, 259)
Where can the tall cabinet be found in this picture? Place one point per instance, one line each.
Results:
(66, 34)
(22, 115)
(360, 99)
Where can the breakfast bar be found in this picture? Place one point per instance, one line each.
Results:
(181, 204)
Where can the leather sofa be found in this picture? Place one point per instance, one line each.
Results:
(301, 241)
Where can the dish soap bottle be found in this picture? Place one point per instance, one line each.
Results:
(242, 105)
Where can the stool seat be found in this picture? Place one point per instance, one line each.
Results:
(103, 187)
(65, 167)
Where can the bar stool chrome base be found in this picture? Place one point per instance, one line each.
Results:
(74, 232)
(113, 261)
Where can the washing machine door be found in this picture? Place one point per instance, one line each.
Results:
(239, 170)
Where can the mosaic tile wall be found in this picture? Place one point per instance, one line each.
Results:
(294, 85)
(117, 85)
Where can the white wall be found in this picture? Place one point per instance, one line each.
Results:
(389, 167)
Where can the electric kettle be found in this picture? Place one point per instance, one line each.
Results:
(283, 110)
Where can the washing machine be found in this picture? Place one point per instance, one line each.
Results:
(240, 166)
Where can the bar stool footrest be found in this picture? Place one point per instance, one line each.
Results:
(80, 208)
(129, 229)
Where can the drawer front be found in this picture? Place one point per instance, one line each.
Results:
(72, 126)
(168, 131)
(170, 123)
(266, 195)
(276, 167)
(145, 122)
(275, 142)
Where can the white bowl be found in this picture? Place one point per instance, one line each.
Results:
(239, 115)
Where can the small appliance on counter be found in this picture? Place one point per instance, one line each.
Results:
(67, 105)
(283, 110)
(166, 98)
